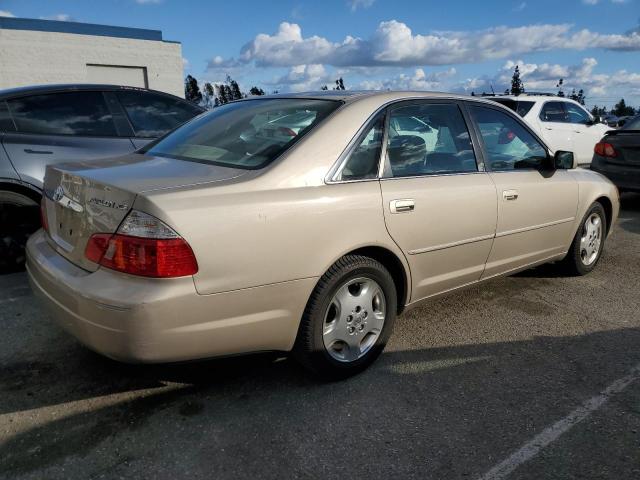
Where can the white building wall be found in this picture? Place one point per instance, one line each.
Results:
(34, 57)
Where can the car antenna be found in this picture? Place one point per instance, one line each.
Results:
(492, 91)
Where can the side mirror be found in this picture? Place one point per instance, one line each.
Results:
(564, 160)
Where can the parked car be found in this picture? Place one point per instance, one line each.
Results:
(45, 125)
(201, 245)
(617, 156)
(562, 123)
(610, 120)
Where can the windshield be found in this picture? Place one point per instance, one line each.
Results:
(248, 134)
(632, 124)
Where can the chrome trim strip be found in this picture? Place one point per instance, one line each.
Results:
(535, 227)
(430, 175)
(449, 245)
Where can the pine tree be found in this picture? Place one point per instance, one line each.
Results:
(192, 90)
(222, 95)
(559, 86)
(339, 84)
(517, 87)
(236, 94)
(209, 95)
(324, 87)
(256, 91)
(621, 109)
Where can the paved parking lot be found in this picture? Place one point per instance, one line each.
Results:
(528, 377)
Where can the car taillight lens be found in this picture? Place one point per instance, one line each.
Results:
(605, 150)
(143, 246)
(43, 214)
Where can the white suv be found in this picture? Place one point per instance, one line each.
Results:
(562, 123)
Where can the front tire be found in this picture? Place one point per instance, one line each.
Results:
(348, 318)
(588, 243)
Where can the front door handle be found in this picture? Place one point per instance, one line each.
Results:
(510, 194)
(402, 206)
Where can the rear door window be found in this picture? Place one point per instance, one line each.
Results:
(427, 139)
(153, 115)
(73, 113)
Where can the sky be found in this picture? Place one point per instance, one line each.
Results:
(457, 46)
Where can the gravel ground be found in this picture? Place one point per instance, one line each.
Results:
(466, 381)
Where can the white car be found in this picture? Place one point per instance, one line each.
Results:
(562, 123)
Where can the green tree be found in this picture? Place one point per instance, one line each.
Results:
(236, 94)
(256, 91)
(517, 87)
(559, 87)
(339, 84)
(578, 96)
(324, 87)
(192, 90)
(209, 95)
(222, 95)
(621, 109)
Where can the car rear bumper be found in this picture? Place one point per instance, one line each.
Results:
(134, 319)
(625, 177)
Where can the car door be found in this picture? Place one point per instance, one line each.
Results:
(586, 133)
(62, 127)
(555, 128)
(439, 205)
(153, 114)
(536, 204)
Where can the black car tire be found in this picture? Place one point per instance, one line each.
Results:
(573, 264)
(19, 218)
(309, 348)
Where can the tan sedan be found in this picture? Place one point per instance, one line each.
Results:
(240, 233)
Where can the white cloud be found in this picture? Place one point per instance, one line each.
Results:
(4, 13)
(599, 87)
(356, 4)
(394, 44)
(302, 78)
(419, 80)
(61, 17)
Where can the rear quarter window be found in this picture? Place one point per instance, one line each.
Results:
(153, 115)
(6, 123)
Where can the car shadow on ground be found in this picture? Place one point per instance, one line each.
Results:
(460, 382)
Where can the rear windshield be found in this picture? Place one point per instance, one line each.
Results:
(248, 134)
(632, 124)
(519, 106)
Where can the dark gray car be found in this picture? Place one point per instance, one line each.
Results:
(49, 124)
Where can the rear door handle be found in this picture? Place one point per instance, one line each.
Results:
(510, 194)
(402, 205)
(38, 152)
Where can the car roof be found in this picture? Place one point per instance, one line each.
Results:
(70, 87)
(349, 96)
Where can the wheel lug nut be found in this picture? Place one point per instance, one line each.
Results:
(349, 319)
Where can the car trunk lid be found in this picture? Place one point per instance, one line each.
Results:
(86, 198)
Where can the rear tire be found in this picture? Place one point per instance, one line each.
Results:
(19, 218)
(348, 318)
(588, 243)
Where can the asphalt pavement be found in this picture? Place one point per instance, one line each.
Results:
(527, 377)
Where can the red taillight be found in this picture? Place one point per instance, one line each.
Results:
(605, 150)
(145, 246)
(287, 131)
(147, 257)
(43, 214)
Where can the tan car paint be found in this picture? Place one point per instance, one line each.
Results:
(263, 238)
